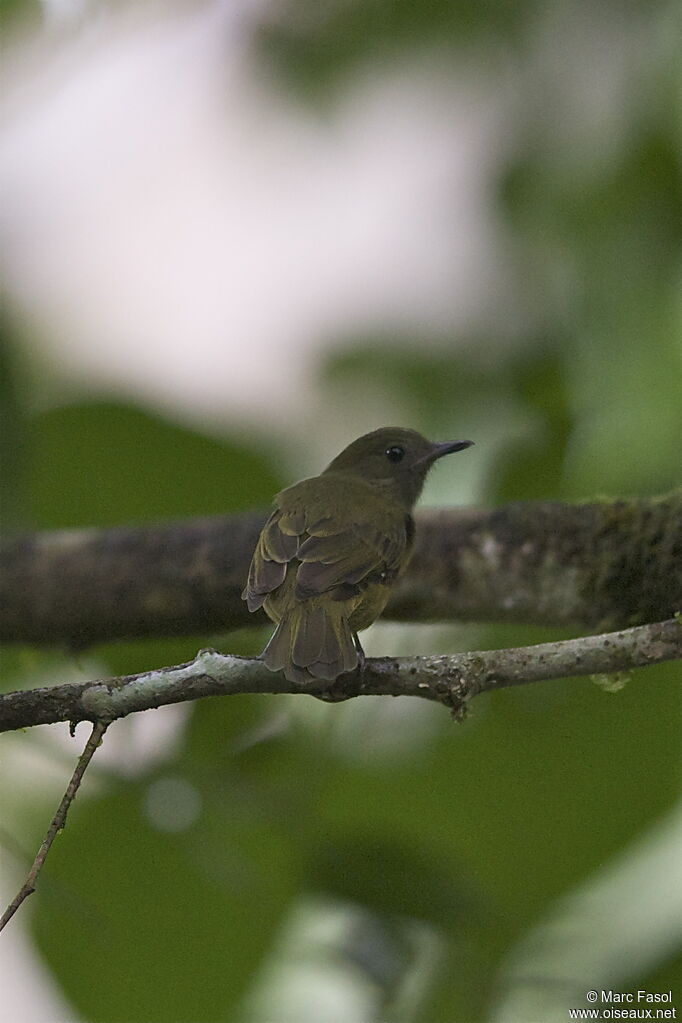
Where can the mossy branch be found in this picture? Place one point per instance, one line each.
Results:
(602, 565)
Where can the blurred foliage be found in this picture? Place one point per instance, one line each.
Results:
(12, 434)
(107, 464)
(475, 830)
(15, 13)
(316, 45)
(181, 920)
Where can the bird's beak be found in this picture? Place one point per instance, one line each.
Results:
(448, 447)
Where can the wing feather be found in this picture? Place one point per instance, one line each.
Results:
(268, 568)
(330, 551)
(347, 558)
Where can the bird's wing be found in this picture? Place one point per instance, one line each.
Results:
(277, 544)
(334, 554)
(349, 556)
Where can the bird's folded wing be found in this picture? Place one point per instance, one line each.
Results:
(277, 545)
(332, 555)
(347, 558)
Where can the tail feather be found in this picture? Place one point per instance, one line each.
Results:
(312, 642)
(309, 636)
(277, 653)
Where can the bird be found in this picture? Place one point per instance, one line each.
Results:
(332, 549)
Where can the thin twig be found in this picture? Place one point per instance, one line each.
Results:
(58, 821)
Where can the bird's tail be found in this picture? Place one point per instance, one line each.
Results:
(312, 642)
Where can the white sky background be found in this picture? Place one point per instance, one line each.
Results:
(180, 228)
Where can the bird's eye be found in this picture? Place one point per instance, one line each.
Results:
(395, 454)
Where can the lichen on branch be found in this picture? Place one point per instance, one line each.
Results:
(452, 679)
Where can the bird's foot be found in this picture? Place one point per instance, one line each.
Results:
(361, 654)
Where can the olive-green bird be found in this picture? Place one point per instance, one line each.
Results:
(328, 555)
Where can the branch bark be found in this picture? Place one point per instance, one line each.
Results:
(453, 680)
(602, 565)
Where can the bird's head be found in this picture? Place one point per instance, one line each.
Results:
(393, 460)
